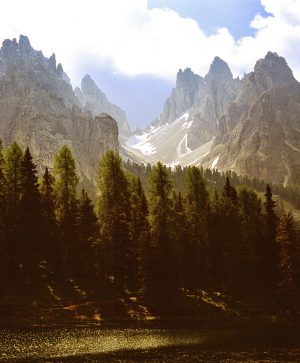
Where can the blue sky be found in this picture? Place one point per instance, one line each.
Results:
(134, 48)
(236, 15)
(149, 91)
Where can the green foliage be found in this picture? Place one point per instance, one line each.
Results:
(192, 229)
(66, 180)
(288, 269)
(164, 273)
(269, 251)
(30, 215)
(114, 217)
(3, 214)
(233, 250)
(13, 158)
(197, 212)
(88, 230)
(140, 235)
(52, 248)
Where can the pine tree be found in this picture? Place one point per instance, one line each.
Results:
(140, 235)
(88, 229)
(288, 270)
(114, 216)
(197, 211)
(164, 272)
(66, 181)
(52, 249)
(13, 175)
(268, 250)
(182, 248)
(250, 206)
(30, 216)
(217, 243)
(231, 236)
(4, 250)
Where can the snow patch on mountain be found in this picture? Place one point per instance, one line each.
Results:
(167, 143)
(215, 162)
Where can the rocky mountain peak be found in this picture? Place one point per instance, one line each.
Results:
(273, 69)
(9, 49)
(219, 71)
(89, 86)
(52, 63)
(24, 44)
(182, 96)
(95, 101)
(187, 78)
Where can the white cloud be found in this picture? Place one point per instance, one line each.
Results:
(137, 40)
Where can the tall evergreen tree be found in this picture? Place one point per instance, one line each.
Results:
(140, 235)
(288, 269)
(197, 212)
(182, 247)
(164, 272)
(231, 236)
(4, 252)
(217, 243)
(88, 230)
(30, 216)
(51, 240)
(66, 181)
(13, 175)
(269, 252)
(13, 157)
(250, 206)
(114, 216)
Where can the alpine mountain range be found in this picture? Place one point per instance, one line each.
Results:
(249, 125)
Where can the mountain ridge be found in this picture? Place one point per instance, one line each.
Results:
(39, 109)
(226, 109)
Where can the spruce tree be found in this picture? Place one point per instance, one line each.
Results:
(231, 235)
(268, 250)
(88, 230)
(182, 247)
(4, 250)
(286, 241)
(250, 206)
(30, 216)
(51, 240)
(66, 181)
(140, 235)
(197, 212)
(164, 280)
(13, 157)
(114, 216)
(217, 243)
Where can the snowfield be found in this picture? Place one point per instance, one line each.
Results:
(167, 143)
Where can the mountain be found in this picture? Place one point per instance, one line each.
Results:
(189, 121)
(259, 134)
(92, 99)
(39, 109)
(250, 126)
(182, 97)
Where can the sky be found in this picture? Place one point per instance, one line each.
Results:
(134, 48)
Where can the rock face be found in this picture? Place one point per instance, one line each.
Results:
(204, 99)
(39, 109)
(259, 134)
(212, 99)
(182, 97)
(92, 99)
(250, 126)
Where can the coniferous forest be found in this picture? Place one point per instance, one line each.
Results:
(158, 238)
